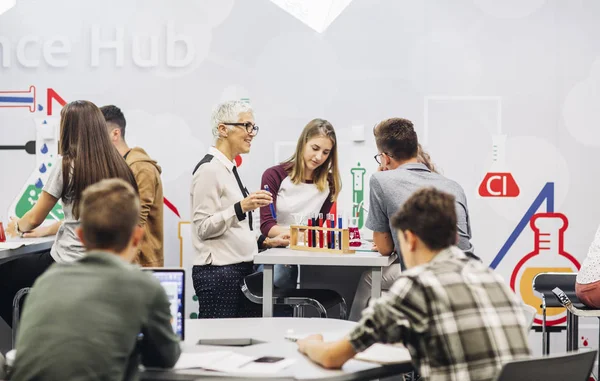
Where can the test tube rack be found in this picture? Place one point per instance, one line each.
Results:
(300, 230)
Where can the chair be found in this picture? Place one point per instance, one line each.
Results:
(320, 299)
(573, 314)
(17, 304)
(573, 366)
(2, 366)
(544, 283)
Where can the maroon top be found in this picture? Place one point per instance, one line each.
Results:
(273, 177)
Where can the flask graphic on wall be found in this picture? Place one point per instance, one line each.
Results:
(548, 248)
(46, 151)
(498, 181)
(358, 193)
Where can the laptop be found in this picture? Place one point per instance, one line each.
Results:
(173, 281)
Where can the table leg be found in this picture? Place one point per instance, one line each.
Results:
(267, 291)
(569, 327)
(575, 334)
(571, 331)
(375, 283)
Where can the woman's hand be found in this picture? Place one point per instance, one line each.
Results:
(256, 200)
(282, 240)
(11, 228)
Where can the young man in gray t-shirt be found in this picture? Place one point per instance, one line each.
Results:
(400, 174)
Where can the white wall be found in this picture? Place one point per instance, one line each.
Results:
(466, 72)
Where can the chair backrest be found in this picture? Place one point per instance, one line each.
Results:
(252, 287)
(2, 363)
(544, 283)
(573, 366)
(17, 305)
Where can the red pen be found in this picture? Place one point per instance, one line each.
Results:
(321, 231)
(310, 244)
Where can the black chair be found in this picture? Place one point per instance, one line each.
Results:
(573, 313)
(17, 305)
(320, 299)
(2, 367)
(544, 283)
(573, 366)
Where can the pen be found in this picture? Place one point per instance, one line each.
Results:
(273, 214)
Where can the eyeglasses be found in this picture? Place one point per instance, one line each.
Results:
(378, 157)
(250, 127)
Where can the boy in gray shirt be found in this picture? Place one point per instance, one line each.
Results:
(400, 175)
(82, 319)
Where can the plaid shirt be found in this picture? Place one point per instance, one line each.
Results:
(457, 318)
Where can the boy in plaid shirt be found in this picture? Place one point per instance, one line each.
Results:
(458, 319)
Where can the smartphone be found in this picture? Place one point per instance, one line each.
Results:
(269, 359)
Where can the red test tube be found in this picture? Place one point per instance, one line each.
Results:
(321, 231)
(310, 242)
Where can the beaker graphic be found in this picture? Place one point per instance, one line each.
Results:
(548, 255)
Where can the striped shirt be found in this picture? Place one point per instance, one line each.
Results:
(458, 319)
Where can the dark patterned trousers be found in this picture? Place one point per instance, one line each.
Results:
(219, 293)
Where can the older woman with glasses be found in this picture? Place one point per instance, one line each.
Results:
(223, 234)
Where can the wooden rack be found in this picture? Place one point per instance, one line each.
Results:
(301, 230)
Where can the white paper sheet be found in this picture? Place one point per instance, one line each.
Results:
(11, 245)
(327, 336)
(229, 362)
(193, 360)
(384, 354)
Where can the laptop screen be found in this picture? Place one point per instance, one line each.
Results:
(173, 281)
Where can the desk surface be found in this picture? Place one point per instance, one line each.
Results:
(280, 256)
(31, 246)
(271, 331)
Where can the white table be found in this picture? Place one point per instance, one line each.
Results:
(271, 332)
(279, 256)
(31, 246)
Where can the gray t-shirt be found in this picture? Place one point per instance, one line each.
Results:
(67, 246)
(389, 190)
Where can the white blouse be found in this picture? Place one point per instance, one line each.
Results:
(590, 270)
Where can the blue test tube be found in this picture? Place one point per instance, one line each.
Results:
(340, 226)
(332, 234)
(273, 214)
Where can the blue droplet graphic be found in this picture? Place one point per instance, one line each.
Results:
(44, 149)
(44, 122)
(39, 184)
(40, 107)
(43, 168)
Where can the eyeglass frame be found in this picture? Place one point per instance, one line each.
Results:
(376, 157)
(250, 127)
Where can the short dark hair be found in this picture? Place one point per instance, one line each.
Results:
(110, 211)
(397, 138)
(431, 215)
(113, 114)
